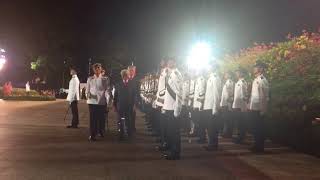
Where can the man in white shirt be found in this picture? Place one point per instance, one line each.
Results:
(258, 106)
(211, 109)
(97, 98)
(198, 101)
(240, 105)
(226, 103)
(172, 107)
(73, 97)
(161, 91)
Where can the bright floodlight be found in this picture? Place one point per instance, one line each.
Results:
(199, 56)
(2, 50)
(2, 62)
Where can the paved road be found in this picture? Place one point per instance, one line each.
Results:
(36, 145)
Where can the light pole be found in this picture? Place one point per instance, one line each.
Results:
(89, 67)
(2, 58)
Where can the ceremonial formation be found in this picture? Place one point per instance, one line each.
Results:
(204, 103)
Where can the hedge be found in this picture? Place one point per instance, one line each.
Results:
(293, 71)
(20, 94)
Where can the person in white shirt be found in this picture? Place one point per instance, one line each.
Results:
(258, 106)
(198, 101)
(73, 97)
(239, 105)
(226, 104)
(185, 119)
(211, 109)
(172, 107)
(161, 91)
(97, 98)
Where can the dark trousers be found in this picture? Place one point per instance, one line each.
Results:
(226, 118)
(185, 119)
(196, 118)
(102, 122)
(124, 124)
(258, 130)
(213, 126)
(96, 117)
(75, 113)
(202, 124)
(163, 122)
(173, 138)
(242, 124)
(132, 117)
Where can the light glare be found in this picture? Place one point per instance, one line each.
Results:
(2, 62)
(199, 56)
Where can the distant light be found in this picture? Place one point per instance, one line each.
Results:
(2, 50)
(2, 62)
(200, 56)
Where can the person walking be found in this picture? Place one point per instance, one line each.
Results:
(122, 106)
(73, 97)
(97, 98)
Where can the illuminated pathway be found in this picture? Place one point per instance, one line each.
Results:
(36, 145)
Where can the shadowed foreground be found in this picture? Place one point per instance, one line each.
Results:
(36, 145)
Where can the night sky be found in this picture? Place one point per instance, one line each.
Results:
(147, 29)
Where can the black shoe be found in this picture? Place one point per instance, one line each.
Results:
(169, 156)
(201, 141)
(210, 148)
(72, 126)
(237, 141)
(192, 134)
(256, 150)
(92, 138)
(158, 140)
(162, 148)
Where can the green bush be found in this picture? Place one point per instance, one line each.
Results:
(20, 94)
(29, 98)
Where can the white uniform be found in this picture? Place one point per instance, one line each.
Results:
(97, 90)
(173, 95)
(240, 95)
(199, 93)
(227, 94)
(213, 93)
(191, 92)
(74, 88)
(259, 94)
(161, 87)
(185, 92)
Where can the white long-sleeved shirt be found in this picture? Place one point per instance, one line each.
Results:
(161, 90)
(213, 94)
(259, 94)
(74, 89)
(185, 92)
(199, 92)
(175, 83)
(240, 95)
(227, 94)
(97, 90)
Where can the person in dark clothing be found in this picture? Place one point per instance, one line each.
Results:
(122, 105)
(133, 85)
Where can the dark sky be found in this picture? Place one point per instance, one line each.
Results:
(150, 29)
